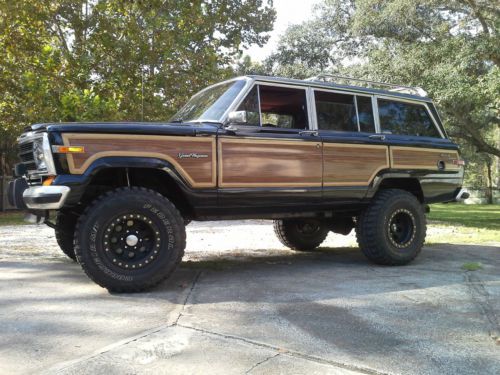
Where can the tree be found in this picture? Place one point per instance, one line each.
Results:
(71, 60)
(449, 47)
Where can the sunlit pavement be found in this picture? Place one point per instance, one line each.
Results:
(242, 303)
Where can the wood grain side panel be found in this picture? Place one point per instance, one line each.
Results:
(198, 172)
(352, 164)
(269, 163)
(422, 158)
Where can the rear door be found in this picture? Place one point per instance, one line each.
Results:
(273, 161)
(352, 153)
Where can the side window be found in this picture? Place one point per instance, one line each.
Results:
(365, 114)
(335, 111)
(405, 118)
(281, 107)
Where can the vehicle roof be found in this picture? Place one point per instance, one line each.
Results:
(331, 85)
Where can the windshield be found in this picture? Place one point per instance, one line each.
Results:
(210, 104)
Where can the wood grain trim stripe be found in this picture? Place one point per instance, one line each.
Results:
(446, 155)
(359, 146)
(260, 141)
(68, 137)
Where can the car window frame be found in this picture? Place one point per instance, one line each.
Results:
(307, 90)
(409, 101)
(352, 93)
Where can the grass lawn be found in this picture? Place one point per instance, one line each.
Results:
(460, 223)
(12, 218)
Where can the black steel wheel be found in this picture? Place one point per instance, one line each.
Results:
(300, 234)
(130, 239)
(392, 229)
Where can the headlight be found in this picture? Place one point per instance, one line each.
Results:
(42, 155)
(39, 155)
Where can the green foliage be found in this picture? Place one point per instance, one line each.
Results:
(72, 60)
(449, 47)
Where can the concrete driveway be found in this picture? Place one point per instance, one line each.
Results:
(241, 303)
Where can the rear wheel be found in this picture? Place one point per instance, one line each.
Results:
(64, 232)
(300, 234)
(130, 239)
(392, 229)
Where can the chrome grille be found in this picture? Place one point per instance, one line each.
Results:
(26, 155)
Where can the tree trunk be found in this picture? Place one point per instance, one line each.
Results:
(489, 195)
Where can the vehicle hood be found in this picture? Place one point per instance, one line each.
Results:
(161, 128)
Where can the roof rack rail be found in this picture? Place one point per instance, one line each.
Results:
(372, 84)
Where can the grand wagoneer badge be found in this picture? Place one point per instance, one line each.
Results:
(192, 155)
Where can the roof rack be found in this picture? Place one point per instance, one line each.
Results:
(372, 84)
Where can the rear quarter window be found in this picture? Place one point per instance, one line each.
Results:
(405, 119)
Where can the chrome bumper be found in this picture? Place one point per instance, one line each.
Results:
(45, 197)
(462, 195)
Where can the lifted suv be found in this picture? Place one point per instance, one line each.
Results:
(314, 155)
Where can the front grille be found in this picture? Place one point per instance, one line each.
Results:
(26, 155)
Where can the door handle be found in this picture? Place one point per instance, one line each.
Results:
(309, 132)
(380, 137)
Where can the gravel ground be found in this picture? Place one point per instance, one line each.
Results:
(242, 303)
(218, 239)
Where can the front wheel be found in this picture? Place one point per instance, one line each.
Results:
(64, 232)
(300, 234)
(130, 239)
(391, 231)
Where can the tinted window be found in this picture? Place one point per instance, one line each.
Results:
(405, 118)
(335, 111)
(365, 114)
(281, 107)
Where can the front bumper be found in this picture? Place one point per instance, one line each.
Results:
(23, 196)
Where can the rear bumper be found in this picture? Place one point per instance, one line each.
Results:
(23, 196)
(462, 195)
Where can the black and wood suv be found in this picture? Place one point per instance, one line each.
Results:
(314, 155)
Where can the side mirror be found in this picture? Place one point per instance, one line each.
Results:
(237, 117)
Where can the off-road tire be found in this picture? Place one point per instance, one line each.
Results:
(287, 231)
(109, 218)
(378, 235)
(65, 231)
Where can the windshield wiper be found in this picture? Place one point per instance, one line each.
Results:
(177, 121)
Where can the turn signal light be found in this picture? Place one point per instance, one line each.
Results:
(68, 149)
(48, 181)
(460, 162)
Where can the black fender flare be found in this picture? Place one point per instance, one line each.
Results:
(78, 183)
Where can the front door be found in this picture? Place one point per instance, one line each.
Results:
(273, 162)
(352, 153)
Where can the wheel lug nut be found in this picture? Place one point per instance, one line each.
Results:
(119, 251)
(130, 254)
